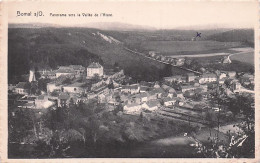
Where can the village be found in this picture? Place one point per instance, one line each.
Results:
(180, 97)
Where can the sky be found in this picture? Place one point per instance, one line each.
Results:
(160, 15)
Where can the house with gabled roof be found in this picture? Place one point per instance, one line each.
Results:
(185, 88)
(169, 101)
(133, 108)
(152, 105)
(207, 78)
(53, 86)
(133, 89)
(22, 88)
(95, 69)
(144, 89)
(74, 88)
(42, 102)
(78, 69)
(190, 77)
(176, 78)
(65, 71)
(63, 99)
(158, 92)
(139, 98)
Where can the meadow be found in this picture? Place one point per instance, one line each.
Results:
(188, 47)
(244, 57)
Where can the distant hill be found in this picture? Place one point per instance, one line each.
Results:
(51, 47)
(111, 26)
(236, 35)
(32, 25)
(116, 26)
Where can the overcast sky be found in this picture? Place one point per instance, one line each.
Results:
(160, 15)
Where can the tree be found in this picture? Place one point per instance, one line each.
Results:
(71, 103)
(95, 78)
(218, 98)
(37, 74)
(67, 81)
(42, 84)
(111, 85)
(166, 71)
(244, 147)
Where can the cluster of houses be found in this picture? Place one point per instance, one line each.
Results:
(75, 83)
(174, 61)
(67, 82)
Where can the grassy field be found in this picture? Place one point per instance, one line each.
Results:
(245, 57)
(187, 47)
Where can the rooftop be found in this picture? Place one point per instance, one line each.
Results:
(64, 96)
(94, 65)
(190, 74)
(77, 67)
(153, 103)
(166, 99)
(41, 97)
(23, 85)
(132, 105)
(64, 69)
(211, 75)
(77, 84)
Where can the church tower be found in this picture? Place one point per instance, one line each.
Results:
(32, 76)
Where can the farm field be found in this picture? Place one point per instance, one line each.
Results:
(188, 47)
(247, 57)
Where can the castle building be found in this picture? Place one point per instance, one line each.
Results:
(93, 69)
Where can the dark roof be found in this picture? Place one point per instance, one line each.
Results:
(65, 70)
(166, 99)
(64, 96)
(76, 84)
(152, 103)
(23, 85)
(94, 65)
(190, 74)
(211, 75)
(132, 105)
(77, 67)
(157, 90)
(130, 87)
(41, 97)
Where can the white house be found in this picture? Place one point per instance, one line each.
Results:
(22, 88)
(52, 87)
(133, 108)
(222, 75)
(169, 101)
(133, 89)
(231, 74)
(74, 88)
(94, 68)
(79, 70)
(226, 60)
(63, 99)
(42, 102)
(190, 77)
(65, 71)
(152, 105)
(207, 78)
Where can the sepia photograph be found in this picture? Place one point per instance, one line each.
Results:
(128, 79)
